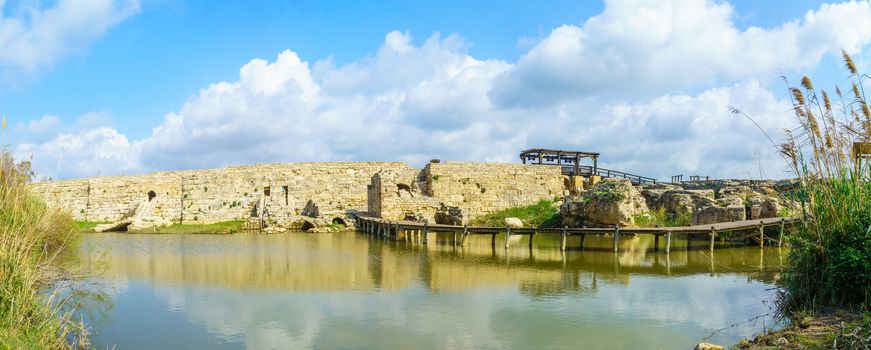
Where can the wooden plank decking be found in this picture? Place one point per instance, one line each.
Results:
(754, 229)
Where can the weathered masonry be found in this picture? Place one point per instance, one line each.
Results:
(281, 192)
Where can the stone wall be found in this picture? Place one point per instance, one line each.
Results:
(205, 196)
(475, 188)
(388, 189)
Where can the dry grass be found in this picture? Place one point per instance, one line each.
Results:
(31, 238)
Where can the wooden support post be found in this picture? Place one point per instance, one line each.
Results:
(493, 240)
(583, 237)
(465, 234)
(396, 231)
(454, 239)
(713, 234)
(668, 242)
(655, 242)
(531, 236)
(761, 235)
(562, 245)
(616, 237)
(780, 235)
(507, 237)
(425, 232)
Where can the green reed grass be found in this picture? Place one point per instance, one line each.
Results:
(831, 246)
(31, 238)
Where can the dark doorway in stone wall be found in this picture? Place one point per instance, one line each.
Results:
(266, 191)
(339, 221)
(151, 195)
(307, 226)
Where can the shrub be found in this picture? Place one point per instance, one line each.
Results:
(31, 236)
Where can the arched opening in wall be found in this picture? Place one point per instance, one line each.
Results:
(403, 187)
(339, 221)
(306, 226)
(151, 195)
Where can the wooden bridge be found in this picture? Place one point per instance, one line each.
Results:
(746, 230)
(570, 163)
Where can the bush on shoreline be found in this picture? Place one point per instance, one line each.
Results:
(31, 237)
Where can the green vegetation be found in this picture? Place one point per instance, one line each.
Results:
(545, 213)
(831, 249)
(660, 218)
(225, 227)
(88, 226)
(831, 246)
(31, 236)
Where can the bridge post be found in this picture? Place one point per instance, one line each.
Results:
(780, 235)
(667, 242)
(655, 242)
(761, 235)
(531, 236)
(507, 237)
(425, 232)
(493, 241)
(616, 237)
(396, 231)
(454, 238)
(583, 237)
(562, 245)
(713, 234)
(465, 234)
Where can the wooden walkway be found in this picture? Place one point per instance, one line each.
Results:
(747, 230)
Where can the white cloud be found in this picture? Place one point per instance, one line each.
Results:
(412, 103)
(33, 38)
(641, 48)
(100, 151)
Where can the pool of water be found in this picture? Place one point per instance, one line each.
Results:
(350, 290)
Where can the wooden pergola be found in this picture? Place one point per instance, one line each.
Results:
(559, 157)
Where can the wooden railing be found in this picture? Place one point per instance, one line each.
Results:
(585, 170)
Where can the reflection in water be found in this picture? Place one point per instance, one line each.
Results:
(350, 290)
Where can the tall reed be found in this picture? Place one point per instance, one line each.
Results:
(831, 247)
(31, 237)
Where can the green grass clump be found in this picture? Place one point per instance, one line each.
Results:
(225, 227)
(88, 226)
(545, 213)
(31, 237)
(660, 218)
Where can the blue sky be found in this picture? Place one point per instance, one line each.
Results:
(129, 64)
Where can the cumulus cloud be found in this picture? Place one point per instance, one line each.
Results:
(639, 48)
(680, 63)
(32, 38)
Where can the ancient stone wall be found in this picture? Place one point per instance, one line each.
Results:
(475, 188)
(232, 193)
(388, 189)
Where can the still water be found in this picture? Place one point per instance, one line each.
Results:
(350, 290)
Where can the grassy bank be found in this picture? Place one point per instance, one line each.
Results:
(225, 227)
(31, 236)
(831, 331)
(660, 218)
(545, 213)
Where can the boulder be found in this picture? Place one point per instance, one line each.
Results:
(449, 215)
(717, 213)
(513, 223)
(609, 202)
(708, 346)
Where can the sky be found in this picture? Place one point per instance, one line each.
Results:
(108, 87)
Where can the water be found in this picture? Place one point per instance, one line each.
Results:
(349, 290)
